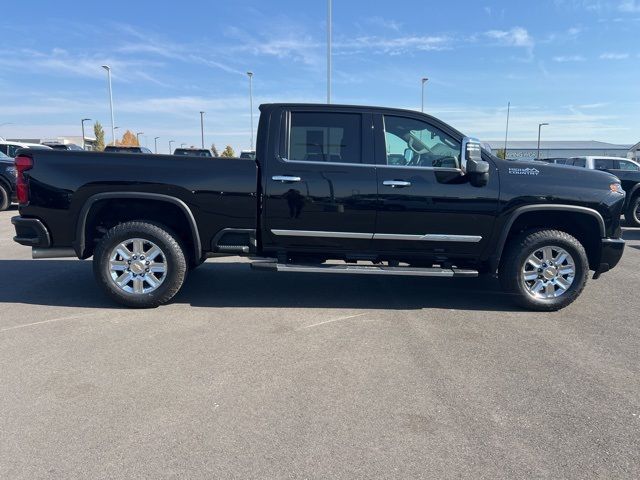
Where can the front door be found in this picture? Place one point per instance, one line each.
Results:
(320, 190)
(427, 207)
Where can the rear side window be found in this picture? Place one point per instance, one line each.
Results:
(325, 137)
(577, 162)
(622, 165)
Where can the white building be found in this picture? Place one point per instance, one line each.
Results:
(527, 150)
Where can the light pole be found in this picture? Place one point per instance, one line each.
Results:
(155, 142)
(506, 133)
(250, 74)
(329, 15)
(82, 122)
(113, 130)
(202, 128)
(424, 80)
(540, 125)
(170, 142)
(138, 137)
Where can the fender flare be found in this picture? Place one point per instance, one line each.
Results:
(513, 216)
(79, 244)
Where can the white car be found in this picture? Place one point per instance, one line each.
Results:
(9, 148)
(599, 162)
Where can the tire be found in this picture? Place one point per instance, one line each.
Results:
(5, 200)
(128, 281)
(632, 215)
(552, 286)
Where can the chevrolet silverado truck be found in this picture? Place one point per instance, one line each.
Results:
(333, 189)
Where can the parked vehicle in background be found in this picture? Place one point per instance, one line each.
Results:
(125, 149)
(8, 175)
(64, 146)
(248, 154)
(10, 148)
(627, 170)
(193, 152)
(386, 191)
(556, 161)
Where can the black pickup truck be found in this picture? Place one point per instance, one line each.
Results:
(333, 189)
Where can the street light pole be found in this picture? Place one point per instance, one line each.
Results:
(155, 143)
(202, 128)
(250, 74)
(506, 133)
(329, 27)
(540, 125)
(113, 132)
(82, 122)
(170, 142)
(138, 137)
(424, 81)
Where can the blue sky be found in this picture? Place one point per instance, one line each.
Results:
(572, 63)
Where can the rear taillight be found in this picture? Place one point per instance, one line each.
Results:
(23, 163)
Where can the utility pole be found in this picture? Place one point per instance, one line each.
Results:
(506, 134)
(113, 130)
(155, 142)
(540, 125)
(170, 142)
(202, 127)
(329, 20)
(250, 74)
(138, 137)
(424, 81)
(82, 122)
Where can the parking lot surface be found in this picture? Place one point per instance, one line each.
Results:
(270, 375)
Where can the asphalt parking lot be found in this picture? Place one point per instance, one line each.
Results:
(269, 375)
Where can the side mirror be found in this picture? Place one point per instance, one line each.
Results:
(408, 155)
(472, 164)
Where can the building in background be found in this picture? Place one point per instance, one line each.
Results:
(65, 140)
(527, 150)
(634, 152)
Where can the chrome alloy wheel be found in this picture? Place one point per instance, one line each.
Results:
(548, 272)
(137, 266)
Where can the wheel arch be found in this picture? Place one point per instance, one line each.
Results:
(80, 243)
(582, 222)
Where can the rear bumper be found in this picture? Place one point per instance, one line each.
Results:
(610, 254)
(31, 232)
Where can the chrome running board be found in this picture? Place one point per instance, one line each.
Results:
(364, 270)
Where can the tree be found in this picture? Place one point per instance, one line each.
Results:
(98, 132)
(228, 152)
(214, 150)
(500, 153)
(128, 140)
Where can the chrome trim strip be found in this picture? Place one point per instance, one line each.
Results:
(430, 237)
(344, 164)
(321, 234)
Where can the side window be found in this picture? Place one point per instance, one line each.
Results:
(577, 162)
(12, 150)
(628, 166)
(603, 164)
(325, 137)
(3, 149)
(411, 142)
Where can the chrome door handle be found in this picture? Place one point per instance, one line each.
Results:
(285, 178)
(396, 183)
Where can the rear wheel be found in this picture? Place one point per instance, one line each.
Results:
(632, 215)
(5, 201)
(139, 264)
(546, 270)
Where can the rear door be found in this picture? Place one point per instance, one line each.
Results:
(426, 206)
(320, 189)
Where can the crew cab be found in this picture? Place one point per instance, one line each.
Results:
(334, 189)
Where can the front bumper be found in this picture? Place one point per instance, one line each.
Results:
(610, 254)
(31, 232)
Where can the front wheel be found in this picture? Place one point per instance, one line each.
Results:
(546, 270)
(632, 215)
(139, 264)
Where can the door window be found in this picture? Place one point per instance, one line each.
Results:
(325, 137)
(577, 162)
(603, 164)
(414, 143)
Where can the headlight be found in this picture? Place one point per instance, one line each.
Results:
(616, 188)
(12, 171)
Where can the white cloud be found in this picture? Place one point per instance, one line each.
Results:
(629, 6)
(614, 56)
(516, 37)
(569, 58)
